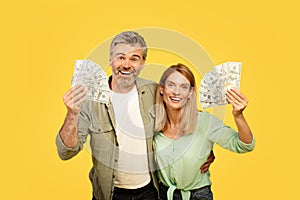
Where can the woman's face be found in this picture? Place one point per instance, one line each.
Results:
(176, 91)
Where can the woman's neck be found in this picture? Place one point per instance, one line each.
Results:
(173, 128)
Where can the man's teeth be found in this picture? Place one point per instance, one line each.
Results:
(125, 72)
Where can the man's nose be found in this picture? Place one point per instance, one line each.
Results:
(126, 63)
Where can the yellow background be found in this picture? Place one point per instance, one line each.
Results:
(40, 40)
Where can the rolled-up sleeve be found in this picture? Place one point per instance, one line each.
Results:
(65, 152)
(226, 137)
(233, 143)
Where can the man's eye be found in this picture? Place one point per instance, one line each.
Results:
(121, 58)
(134, 60)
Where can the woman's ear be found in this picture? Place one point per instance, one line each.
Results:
(191, 92)
(161, 90)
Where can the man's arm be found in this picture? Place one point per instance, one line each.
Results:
(72, 100)
(67, 141)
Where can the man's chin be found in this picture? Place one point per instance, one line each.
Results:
(126, 82)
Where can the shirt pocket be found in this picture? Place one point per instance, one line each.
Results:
(100, 128)
(102, 142)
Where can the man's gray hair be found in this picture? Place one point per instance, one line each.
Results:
(129, 37)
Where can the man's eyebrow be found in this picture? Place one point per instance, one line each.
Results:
(119, 54)
(123, 54)
(137, 55)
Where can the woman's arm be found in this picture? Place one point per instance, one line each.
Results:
(239, 102)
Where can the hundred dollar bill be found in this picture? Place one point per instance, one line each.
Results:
(216, 82)
(93, 78)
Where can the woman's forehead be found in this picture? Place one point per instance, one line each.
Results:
(177, 77)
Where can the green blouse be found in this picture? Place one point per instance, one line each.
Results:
(179, 160)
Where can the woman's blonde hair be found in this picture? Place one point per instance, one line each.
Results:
(189, 115)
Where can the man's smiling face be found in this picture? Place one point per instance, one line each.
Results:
(126, 61)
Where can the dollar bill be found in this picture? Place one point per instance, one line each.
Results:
(90, 75)
(216, 82)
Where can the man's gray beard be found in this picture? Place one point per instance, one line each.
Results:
(125, 82)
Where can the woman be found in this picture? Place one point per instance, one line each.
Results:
(186, 136)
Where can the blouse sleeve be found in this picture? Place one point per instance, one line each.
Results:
(224, 135)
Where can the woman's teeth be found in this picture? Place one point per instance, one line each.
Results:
(175, 98)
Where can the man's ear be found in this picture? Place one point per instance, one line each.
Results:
(143, 63)
(142, 66)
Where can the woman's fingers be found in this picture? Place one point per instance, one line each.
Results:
(237, 100)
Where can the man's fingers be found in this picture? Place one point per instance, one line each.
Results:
(79, 96)
(78, 103)
(71, 91)
(205, 165)
(74, 97)
(204, 168)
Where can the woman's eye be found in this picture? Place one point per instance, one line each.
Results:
(170, 85)
(184, 87)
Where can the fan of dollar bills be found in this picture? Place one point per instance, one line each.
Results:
(93, 78)
(216, 82)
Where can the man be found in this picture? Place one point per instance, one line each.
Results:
(121, 131)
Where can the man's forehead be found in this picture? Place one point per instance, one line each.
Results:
(127, 49)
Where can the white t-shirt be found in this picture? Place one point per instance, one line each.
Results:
(133, 170)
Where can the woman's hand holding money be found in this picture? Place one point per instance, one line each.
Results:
(239, 102)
